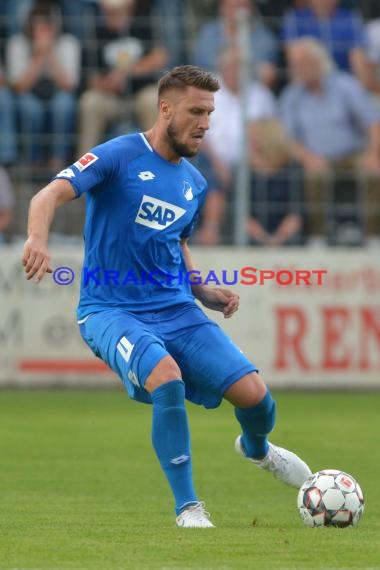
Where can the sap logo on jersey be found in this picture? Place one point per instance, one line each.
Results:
(157, 214)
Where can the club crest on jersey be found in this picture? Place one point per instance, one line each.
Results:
(187, 191)
(157, 214)
(85, 161)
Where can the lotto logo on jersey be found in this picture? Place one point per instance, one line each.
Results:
(86, 160)
(157, 214)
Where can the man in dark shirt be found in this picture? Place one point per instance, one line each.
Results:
(122, 65)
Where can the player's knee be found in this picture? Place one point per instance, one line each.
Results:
(247, 391)
(165, 371)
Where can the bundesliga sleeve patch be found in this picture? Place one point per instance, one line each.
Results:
(86, 161)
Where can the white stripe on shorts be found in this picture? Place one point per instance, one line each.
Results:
(125, 348)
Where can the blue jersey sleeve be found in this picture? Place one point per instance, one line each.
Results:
(93, 168)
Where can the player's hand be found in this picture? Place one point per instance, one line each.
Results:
(36, 259)
(222, 300)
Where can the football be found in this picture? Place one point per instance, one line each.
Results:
(330, 498)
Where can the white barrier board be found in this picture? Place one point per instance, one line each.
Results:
(319, 336)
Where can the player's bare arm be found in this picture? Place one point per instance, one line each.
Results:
(213, 298)
(36, 259)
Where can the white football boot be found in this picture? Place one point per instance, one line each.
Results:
(285, 465)
(194, 516)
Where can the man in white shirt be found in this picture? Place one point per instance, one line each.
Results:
(43, 67)
(221, 148)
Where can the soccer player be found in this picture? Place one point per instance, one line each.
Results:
(143, 198)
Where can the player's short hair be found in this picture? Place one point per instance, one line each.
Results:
(187, 76)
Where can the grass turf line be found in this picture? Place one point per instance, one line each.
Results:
(81, 488)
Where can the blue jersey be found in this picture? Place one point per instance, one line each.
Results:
(138, 208)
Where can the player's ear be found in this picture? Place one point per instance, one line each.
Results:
(165, 108)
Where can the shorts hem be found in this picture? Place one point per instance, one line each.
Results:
(236, 376)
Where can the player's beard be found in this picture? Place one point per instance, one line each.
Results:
(181, 149)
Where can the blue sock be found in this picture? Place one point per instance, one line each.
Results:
(171, 440)
(256, 423)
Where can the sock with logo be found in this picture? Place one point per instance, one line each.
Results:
(256, 423)
(171, 440)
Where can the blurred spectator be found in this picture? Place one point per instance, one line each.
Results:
(170, 19)
(335, 129)
(43, 67)
(340, 29)
(126, 63)
(373, 42)
(202, 9)
(273, 10)
(7, 203)
(222, 147)
(276, 210)
(73, 13)
(8, 148)
(222, 31)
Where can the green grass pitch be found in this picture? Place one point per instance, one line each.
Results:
(81, 488)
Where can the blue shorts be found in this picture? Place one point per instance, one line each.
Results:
(132, 344)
